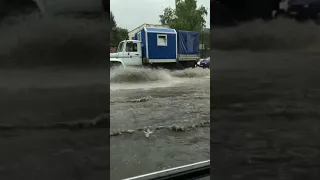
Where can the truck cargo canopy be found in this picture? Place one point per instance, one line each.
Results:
(188, 42)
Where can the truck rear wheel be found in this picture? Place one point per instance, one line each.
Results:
(145, 61)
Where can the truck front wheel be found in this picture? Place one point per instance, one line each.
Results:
(115, 65)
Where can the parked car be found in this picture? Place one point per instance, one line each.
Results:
(203, 63)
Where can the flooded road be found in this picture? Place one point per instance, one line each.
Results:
(158, 119)
(40, 107)
(52, 80)
(44, 118)
(265, 112)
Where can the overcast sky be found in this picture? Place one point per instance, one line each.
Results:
(133, 13)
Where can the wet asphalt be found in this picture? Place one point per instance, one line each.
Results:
(158, 123)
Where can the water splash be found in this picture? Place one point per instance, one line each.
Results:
(172, 128)
(120, 75)
(146, 78)
(32, 40)
(279, 34)
(191, 73)
(133, 74)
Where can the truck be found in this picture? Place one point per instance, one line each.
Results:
(158, 46)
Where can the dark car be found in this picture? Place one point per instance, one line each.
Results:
(204, 63)
(304, 9)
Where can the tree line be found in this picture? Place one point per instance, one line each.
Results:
(117, 34)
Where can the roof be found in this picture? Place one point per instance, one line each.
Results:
(133, 40)
(161, 30)
(146, 25)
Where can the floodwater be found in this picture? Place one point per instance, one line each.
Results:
(55, 118)
(158, 119)
(40, 105)
(265, 109)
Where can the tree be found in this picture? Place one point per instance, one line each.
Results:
(117, 34)
(112, 21)
(122, 33)
(186, 16)
(113, 32)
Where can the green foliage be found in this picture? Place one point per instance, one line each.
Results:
(117, 34)
(122, 33)
(186, 16)
(112, 21)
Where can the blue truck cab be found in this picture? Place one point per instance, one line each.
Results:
(158, 46)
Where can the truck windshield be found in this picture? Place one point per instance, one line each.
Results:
(120, 47)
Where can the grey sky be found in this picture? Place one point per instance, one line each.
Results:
(132, 13)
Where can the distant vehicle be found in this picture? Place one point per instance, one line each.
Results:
(152, 46)
(203, 63)
(301, 10)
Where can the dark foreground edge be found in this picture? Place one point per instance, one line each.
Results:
(199, 170)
